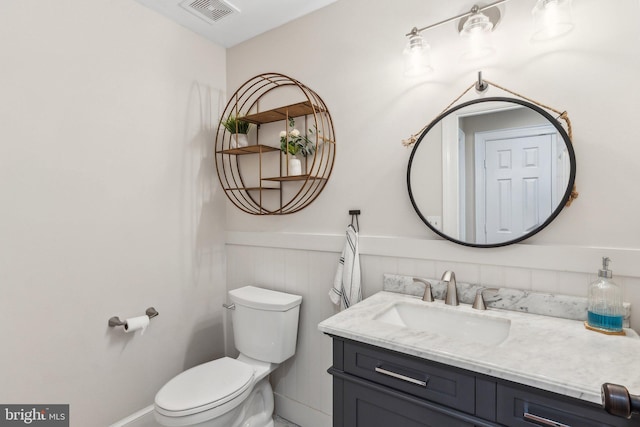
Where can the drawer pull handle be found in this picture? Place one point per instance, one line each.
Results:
(543, 421)
(401, 377)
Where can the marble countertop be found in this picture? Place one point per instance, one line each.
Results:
(554, 354)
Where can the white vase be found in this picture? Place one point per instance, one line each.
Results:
(295, 166)
(239, 140)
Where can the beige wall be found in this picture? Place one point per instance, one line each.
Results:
(108, 204)
(350, 54)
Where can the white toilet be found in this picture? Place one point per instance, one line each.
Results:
(236, 392)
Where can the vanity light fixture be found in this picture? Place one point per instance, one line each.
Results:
(480, 20)
(552, 18)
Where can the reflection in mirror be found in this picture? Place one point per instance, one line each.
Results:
(491, 172)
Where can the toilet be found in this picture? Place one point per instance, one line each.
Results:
(231, 392)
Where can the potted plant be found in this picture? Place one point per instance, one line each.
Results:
(294, 143)
(238, 129)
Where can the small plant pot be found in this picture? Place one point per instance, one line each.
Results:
(239, 140)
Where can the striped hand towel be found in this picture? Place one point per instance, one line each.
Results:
(346, 289)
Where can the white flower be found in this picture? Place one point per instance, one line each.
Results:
(295, 133)
(283, 134)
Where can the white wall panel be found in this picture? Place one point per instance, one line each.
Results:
(302, 385)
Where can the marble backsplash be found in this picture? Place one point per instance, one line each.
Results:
(563, 306)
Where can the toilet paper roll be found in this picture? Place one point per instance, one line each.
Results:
(139, 323)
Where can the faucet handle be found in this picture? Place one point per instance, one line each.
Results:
(478, 302)
(428, 295)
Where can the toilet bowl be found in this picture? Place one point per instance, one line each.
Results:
(231, 392)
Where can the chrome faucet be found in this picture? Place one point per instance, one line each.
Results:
(427, 296)
(449, 277)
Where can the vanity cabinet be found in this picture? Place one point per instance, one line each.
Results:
(375, 387)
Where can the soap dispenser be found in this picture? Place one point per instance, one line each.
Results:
(605, 312)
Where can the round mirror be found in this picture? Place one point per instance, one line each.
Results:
(491, 172)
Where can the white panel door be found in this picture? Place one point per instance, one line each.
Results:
(518, 186)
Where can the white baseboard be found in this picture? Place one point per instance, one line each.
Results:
(288, 409)
(300, 414)
(142, 418)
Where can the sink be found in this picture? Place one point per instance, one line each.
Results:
(455, 323)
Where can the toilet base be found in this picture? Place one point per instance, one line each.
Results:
(255, 411)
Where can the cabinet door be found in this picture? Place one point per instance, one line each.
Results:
(366, 407)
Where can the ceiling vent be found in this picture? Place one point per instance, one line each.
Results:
(210, 10)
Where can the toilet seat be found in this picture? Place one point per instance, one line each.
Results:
(205, 387)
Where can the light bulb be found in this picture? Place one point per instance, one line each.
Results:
(417, 56)
(476, 29)
(478, 46)
(551, 19)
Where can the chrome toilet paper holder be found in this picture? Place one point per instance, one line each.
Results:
(115, 320)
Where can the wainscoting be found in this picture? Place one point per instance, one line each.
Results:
(305, 265)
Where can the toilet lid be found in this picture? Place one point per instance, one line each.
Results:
(204, 387)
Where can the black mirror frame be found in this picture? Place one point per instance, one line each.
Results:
(554, 214)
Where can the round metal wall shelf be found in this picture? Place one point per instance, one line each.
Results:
(256, 177)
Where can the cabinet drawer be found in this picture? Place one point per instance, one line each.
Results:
(520, 407)
(366, 407)
(421, 378)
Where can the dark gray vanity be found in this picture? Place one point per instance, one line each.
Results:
(399, 361)
(375, 387)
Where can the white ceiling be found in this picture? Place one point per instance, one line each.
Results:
(251, 17)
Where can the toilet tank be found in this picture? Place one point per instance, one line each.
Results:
(265, 323)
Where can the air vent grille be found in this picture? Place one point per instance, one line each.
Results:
(209, 10)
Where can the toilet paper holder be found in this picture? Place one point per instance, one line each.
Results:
(115, 320)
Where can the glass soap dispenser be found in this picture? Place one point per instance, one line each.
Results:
(605, 312)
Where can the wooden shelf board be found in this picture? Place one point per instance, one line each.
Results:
(250, 149)
(251, 188)
(281, 113)
(293, 178)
